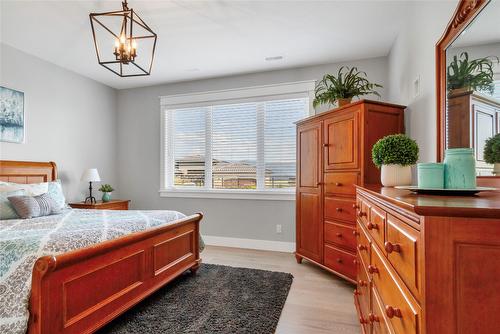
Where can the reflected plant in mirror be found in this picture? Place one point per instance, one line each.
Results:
(492, 153)
(471, 74)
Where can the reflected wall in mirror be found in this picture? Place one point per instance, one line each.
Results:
(472, 109)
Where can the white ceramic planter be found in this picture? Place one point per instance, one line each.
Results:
(496, 169)
(395, 175)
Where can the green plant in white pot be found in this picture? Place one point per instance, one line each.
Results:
(106, 190)
(395, 154)
(492, 153)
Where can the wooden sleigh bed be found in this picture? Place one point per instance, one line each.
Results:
(82, 290)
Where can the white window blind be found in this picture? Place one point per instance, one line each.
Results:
(246, 146)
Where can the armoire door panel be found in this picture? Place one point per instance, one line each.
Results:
(309, 156)
(342, 141)
(310, 227)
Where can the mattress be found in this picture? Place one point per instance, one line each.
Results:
(23, 241)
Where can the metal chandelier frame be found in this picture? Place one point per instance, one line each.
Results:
(129, 19)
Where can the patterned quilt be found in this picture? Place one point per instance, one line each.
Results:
(23, 241)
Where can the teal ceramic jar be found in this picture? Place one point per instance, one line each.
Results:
(459, 168)
(430, 175)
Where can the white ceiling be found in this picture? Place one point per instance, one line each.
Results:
(202, 39)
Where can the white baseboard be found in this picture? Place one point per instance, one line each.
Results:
(269, 245)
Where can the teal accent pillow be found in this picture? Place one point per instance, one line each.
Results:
(55, 191)
(6, 209)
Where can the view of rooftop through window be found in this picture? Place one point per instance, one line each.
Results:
(236, 146)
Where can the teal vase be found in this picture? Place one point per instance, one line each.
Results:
(459, 168)
(106, 197)
(430, 175)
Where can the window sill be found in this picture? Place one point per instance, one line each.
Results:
(274, 195)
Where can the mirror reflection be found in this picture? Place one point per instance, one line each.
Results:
(473, 86)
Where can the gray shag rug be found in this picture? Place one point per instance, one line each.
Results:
(218, 299)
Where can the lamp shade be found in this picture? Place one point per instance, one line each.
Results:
(91, 175)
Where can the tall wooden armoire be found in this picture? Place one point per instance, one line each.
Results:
(334, 154)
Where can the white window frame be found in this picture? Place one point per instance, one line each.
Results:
(248, 94)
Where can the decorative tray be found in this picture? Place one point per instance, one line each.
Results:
(445, 192)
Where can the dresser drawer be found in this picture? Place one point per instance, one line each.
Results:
(340, 208)
(341, 183)
(363, 244)
(376, 224)
(340, 235)
(403, 315)
(340, 261)
(402, 245)
(378, 318)
(363, 286)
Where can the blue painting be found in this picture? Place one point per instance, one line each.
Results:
(11, 115)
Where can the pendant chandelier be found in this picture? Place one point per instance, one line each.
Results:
(124, 43)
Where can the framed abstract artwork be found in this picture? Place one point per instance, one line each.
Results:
(11, 115)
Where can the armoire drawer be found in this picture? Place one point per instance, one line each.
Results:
(340, 208)
(340, 261)
(340, 235)
(341, 183)
(403, 315)
(402, 245)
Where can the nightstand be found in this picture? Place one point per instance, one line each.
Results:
(114, 204)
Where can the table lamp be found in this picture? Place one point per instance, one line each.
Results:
(91, 175)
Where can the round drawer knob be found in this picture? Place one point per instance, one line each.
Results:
(393, 312)
(362, 283)
(373, 318)
(361, 214)
(339, 235)
(338, 209)
(355, 233)
(325, 145)
(372, 269)
(355, 206)
(338, 184)
(372, 226)
(339, 260)
(356, 292)
(390, 247)
(362, 320)
(361, 247)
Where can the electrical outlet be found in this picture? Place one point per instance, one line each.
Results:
(278, 228)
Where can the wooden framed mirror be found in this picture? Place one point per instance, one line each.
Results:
(468, 110)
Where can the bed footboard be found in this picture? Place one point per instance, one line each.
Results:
(80, 291)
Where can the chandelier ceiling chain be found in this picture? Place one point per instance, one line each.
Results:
(126, 39)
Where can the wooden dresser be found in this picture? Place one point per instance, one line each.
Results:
(427, 264)
(333, 155)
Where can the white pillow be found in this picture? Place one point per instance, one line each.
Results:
(32, 189)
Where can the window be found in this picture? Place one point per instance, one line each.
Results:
(244, 145)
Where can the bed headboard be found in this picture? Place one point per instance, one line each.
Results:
(27, 171)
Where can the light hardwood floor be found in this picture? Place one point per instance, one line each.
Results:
(318, 301)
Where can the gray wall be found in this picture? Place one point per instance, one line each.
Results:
(412, 56)
(139, 155)
(69, 119)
